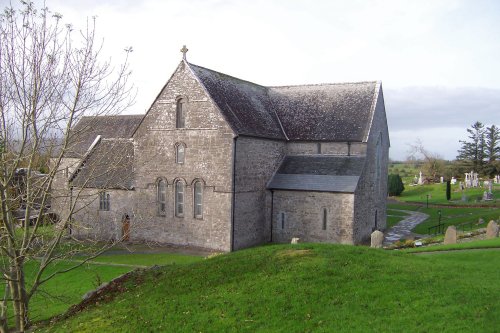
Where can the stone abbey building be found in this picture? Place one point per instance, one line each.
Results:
(222, 163)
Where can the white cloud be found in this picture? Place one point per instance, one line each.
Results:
(448, 44)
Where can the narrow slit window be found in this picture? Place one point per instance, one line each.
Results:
(161, 197)
(325, 218)
(282, 218)
(198, 200)
(179, 199)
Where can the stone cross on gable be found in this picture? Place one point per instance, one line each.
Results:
(184, 51)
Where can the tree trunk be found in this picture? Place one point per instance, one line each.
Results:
(19, 296)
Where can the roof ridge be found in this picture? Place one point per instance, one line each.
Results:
(115, 116)
(323, 84)
(230, 76)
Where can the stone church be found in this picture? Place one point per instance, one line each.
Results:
(224, 164)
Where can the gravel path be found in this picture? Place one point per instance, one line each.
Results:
(403, 228)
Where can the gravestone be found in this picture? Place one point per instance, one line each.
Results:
(420, 179)
(453, 181)
(377, 239)
(295, 240)
(480, 221)
(492, 230)
(451, 235)
(441, 179)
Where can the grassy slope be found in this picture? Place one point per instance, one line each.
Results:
(305, 288)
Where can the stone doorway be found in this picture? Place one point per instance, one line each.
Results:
(126, 228)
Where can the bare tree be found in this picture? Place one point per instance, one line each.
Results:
(432, 163)
(51, 76)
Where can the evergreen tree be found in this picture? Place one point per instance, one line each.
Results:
(395, 185)
(448, 190)
(474, 149)
(492, 147)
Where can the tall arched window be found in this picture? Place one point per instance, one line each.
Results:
(180, 152)
(180, 113)
(198, 199)
(161, 197)
(179, 198)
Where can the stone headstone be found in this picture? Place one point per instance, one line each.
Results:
(441, 179)
(480, 221)
(377, 239)
(451, 235)
(454, 181)
(295, 240)
(487, 196)
(420, 179)
(492, 230)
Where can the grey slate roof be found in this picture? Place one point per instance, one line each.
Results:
(88, 128)
(245, 105)
(332, 112)
(325, 112)
(321, 183)
(318, 173)
(108, 166)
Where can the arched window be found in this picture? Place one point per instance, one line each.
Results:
(198, 199)
(179, 198)
(325, 218)
(161, 197)
(180, 113)
(180, 152)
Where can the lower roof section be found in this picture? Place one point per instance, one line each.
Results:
(318, 173)
(321, 183)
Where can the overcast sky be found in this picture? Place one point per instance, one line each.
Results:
(438, 60)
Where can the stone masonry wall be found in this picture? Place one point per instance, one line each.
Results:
(371, 194)
(256, 161)
(208, 157)
(327, 148)
(60, 195)
(92, 223)
(303, 213)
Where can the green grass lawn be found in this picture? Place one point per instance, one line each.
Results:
(394, 216)
(479, 244)
(307, 288)
(64, 290)
(403, 206)
(149, 259)
(437, 195)
(58, 294)
(456, 216)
